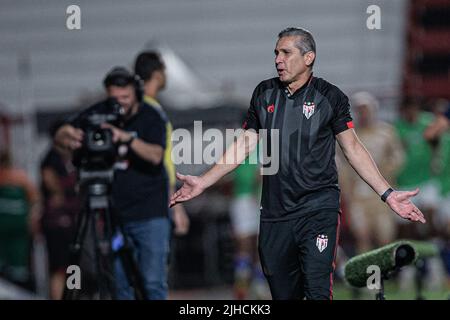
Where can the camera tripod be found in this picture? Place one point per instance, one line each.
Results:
(108, 237)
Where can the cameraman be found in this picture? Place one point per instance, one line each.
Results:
(140, 188)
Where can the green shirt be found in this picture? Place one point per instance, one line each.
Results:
(444, 164)
(246, 177)
(417, 166)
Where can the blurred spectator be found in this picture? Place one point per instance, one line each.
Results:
(439, 138)
(417, 168)
(370, 220)
(442, 121)
(443, 210)
(438, 135)
(61, 206)
(150, 68)
(244, 213)
(19, 211)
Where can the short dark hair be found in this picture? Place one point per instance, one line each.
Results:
(148, 62)
(118, 76)
(306, 41)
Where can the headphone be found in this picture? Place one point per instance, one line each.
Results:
(120, 76)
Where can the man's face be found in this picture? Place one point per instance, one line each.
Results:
(289, 61)
(126, 96)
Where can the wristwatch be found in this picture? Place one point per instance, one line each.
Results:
(386, 194)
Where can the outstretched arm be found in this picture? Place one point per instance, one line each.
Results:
(360, 159)
(233, 157)
(149, 152)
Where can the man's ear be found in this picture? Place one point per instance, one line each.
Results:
(158, 75)
(309, 58)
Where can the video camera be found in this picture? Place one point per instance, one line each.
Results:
(98, 151)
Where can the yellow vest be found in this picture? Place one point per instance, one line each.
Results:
(168, 163)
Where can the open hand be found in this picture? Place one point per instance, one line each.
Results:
(400, 202)
(69, 137)
(192, 187)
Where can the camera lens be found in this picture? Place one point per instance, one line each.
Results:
(99, 138)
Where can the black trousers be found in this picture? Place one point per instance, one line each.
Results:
(297, 256)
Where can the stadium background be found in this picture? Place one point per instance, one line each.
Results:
(216, 53)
